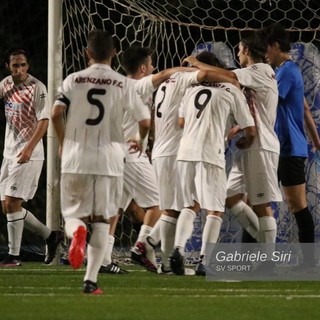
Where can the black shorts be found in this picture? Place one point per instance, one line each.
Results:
(291, 171)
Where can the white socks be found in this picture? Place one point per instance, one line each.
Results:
(167, 234)
(96, 250)
(144, 232)
(154, 235)
(184, 229)
(246, 218)
(210, 234)
(108, 253)
(71, 225)
(33, 224)
(268, 229)
(15, 222)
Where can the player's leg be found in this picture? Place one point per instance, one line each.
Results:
(109, 266)
(236, 189)
(52, 237)
(19, 183)
(262, 187)
(76, 206)
(145, 193)
(170, 202)
(292, 177)
(187, 215)
(12, 208)
(212, 198)
(168, 222)
(260, 169)
(106, 200)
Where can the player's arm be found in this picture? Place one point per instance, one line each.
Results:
(139, 143)
(311, 127)
(141, 113)
(25, 154)
(182, 107)
(144, 126)
(216, 77)
(181, 122)
(192, 60)
(57, 117)
(247, 140)
(163, 75)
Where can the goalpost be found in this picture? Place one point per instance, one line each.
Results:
(175, 29)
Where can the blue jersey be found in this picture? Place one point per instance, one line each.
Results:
(289, 124)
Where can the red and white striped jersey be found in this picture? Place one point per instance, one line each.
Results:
(25, 105)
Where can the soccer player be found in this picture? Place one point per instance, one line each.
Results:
(27, 115)
(92, 155)
(165, 149)
(204, 114)
(140, 181)
(290, 130)
(255, 171)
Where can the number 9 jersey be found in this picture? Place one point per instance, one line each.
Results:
(207, 109)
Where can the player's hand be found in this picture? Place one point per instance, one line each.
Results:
(137, 146)
(24, 155)
(191, 60)
(316, 147)
(233, 132)
(243, 143)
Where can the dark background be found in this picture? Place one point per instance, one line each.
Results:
(24, 23)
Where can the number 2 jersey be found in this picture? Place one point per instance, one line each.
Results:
(167, 102)
(208, 110)
(25, 105)
(96, 99)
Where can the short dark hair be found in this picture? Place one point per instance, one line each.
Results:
(257, 48)
(14, 52)
(133, 57)
(210, 58)
(100, 42)
(276, 33)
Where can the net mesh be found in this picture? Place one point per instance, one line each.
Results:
(177, 28)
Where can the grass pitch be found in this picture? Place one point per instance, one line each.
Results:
(36, 291)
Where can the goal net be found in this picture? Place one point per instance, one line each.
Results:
(177, 28)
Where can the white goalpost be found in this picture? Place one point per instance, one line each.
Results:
(175, 29)
(54, 79)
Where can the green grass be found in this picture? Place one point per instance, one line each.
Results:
(35, 291)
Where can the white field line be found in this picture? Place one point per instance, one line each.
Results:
(193, 296)
(287, 294)
(56, 269)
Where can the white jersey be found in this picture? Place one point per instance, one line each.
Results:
(167, 101)
(206, 110)
(25, 105)
(145, 89)
(97, 99)
(260, 77)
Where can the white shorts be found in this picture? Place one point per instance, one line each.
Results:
(19, 180)
(140, 184)
(170, 195)
(86, 195)
(255, 172)
(203, 182)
